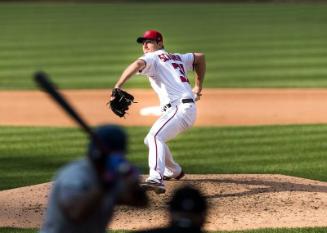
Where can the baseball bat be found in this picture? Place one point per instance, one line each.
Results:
(43, 80)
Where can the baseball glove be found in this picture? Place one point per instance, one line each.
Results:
(120, 101)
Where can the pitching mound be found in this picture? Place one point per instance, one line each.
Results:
(237, 202)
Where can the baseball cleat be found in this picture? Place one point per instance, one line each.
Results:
(151, 185)
(180, 176)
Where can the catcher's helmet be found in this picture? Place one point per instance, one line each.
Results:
(189, 200)
(188, 209)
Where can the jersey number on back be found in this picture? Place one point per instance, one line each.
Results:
(181, 70)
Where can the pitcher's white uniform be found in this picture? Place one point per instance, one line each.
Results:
(168, 78)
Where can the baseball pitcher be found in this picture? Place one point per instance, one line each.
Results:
(167, 73)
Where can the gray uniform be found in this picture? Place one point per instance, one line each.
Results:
(75, 189)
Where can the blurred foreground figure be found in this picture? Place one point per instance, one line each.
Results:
(85, 192)
(187, 209)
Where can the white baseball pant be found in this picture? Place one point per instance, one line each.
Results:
(176, 119)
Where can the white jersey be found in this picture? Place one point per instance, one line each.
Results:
(167, 73)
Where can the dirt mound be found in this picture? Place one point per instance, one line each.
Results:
(237, 202)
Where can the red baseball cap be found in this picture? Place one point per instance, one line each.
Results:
(150, 35)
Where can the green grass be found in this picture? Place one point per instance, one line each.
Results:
(88, 45)
(31, 155)
(282, 230)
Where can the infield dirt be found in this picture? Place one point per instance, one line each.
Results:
(237, 202)
(217, 107)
